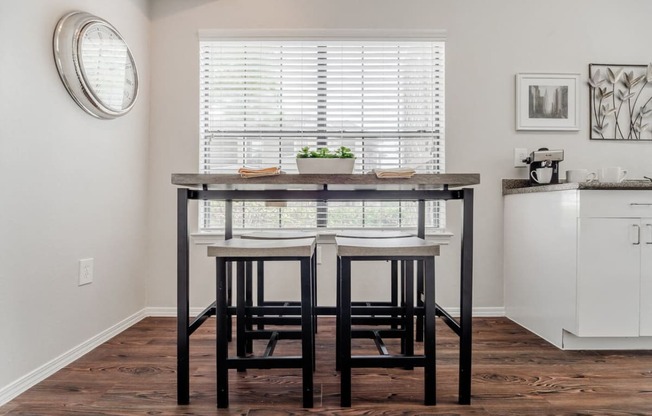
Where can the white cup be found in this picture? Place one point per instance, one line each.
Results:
(541, 175)
(580, 176)
(612, 175)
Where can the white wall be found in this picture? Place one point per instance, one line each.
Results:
(72, 187)
(75, 187)
(488, 43)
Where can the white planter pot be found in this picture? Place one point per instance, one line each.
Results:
(327, 165)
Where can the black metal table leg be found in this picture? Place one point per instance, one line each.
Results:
(429, 346)
(240, 340)
(260, 288)
(408, 335)
(338, 304)
(307, 332)
(183, 301)
(466, 298)
(345, 333)
(222, 335)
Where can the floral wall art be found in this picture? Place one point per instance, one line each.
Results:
(620, 102)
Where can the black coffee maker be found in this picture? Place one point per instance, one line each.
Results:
(544, 158)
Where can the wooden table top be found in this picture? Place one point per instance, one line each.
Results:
(418, 181)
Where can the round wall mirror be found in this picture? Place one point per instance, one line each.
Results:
(95, 65)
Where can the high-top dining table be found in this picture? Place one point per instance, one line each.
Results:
(326, 187)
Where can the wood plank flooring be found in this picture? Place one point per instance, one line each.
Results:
(514, 373)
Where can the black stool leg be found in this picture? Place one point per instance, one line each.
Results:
(260, 288)
(394, 291)
(345, 332)
(222, 335)
(429, 348)
(241, 341)
(408, 335)
(307, 332)
(229, 297)
(419, 300)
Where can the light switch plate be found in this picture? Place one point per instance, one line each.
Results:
(85, 271)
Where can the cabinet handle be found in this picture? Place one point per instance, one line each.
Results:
(638, 234)
(645, 204)
(649, 227)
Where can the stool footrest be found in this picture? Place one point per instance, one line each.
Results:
(274, 320)
(267, 334)
(376, 320)
(377, 310)
(272, 310)
(264, 362)
(387, 361)
(280, 303)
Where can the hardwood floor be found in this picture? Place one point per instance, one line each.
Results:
(514, 373)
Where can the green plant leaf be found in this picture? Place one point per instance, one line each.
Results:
(325, 153)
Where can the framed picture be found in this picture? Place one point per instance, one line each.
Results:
(620, 101)
(547, 101)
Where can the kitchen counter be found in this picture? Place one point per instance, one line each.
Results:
(521, 186)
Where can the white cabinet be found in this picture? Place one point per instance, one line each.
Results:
(578, 266)
(608, 277)
(646, 278)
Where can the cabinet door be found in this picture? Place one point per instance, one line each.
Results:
(608, 277)
(646, 277)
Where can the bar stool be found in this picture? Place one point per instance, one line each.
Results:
(408, 250)
(243, 252)
(394, 279)
(260, 276)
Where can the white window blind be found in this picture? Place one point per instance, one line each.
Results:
(261, 101)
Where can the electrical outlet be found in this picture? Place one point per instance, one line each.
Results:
(520, 153)
(85, 271)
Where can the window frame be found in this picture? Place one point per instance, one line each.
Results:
(326, 35)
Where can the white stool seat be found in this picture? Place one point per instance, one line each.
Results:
(303, 247)
(279, 235)
(373, 234)
(392, 247)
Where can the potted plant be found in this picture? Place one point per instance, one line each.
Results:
(322, 160)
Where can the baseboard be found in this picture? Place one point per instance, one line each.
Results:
(12, 390)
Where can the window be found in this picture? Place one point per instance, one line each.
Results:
(261, 101)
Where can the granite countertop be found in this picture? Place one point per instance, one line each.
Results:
(522, 186)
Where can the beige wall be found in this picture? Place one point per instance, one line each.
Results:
(488, 42)
(72, 186)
